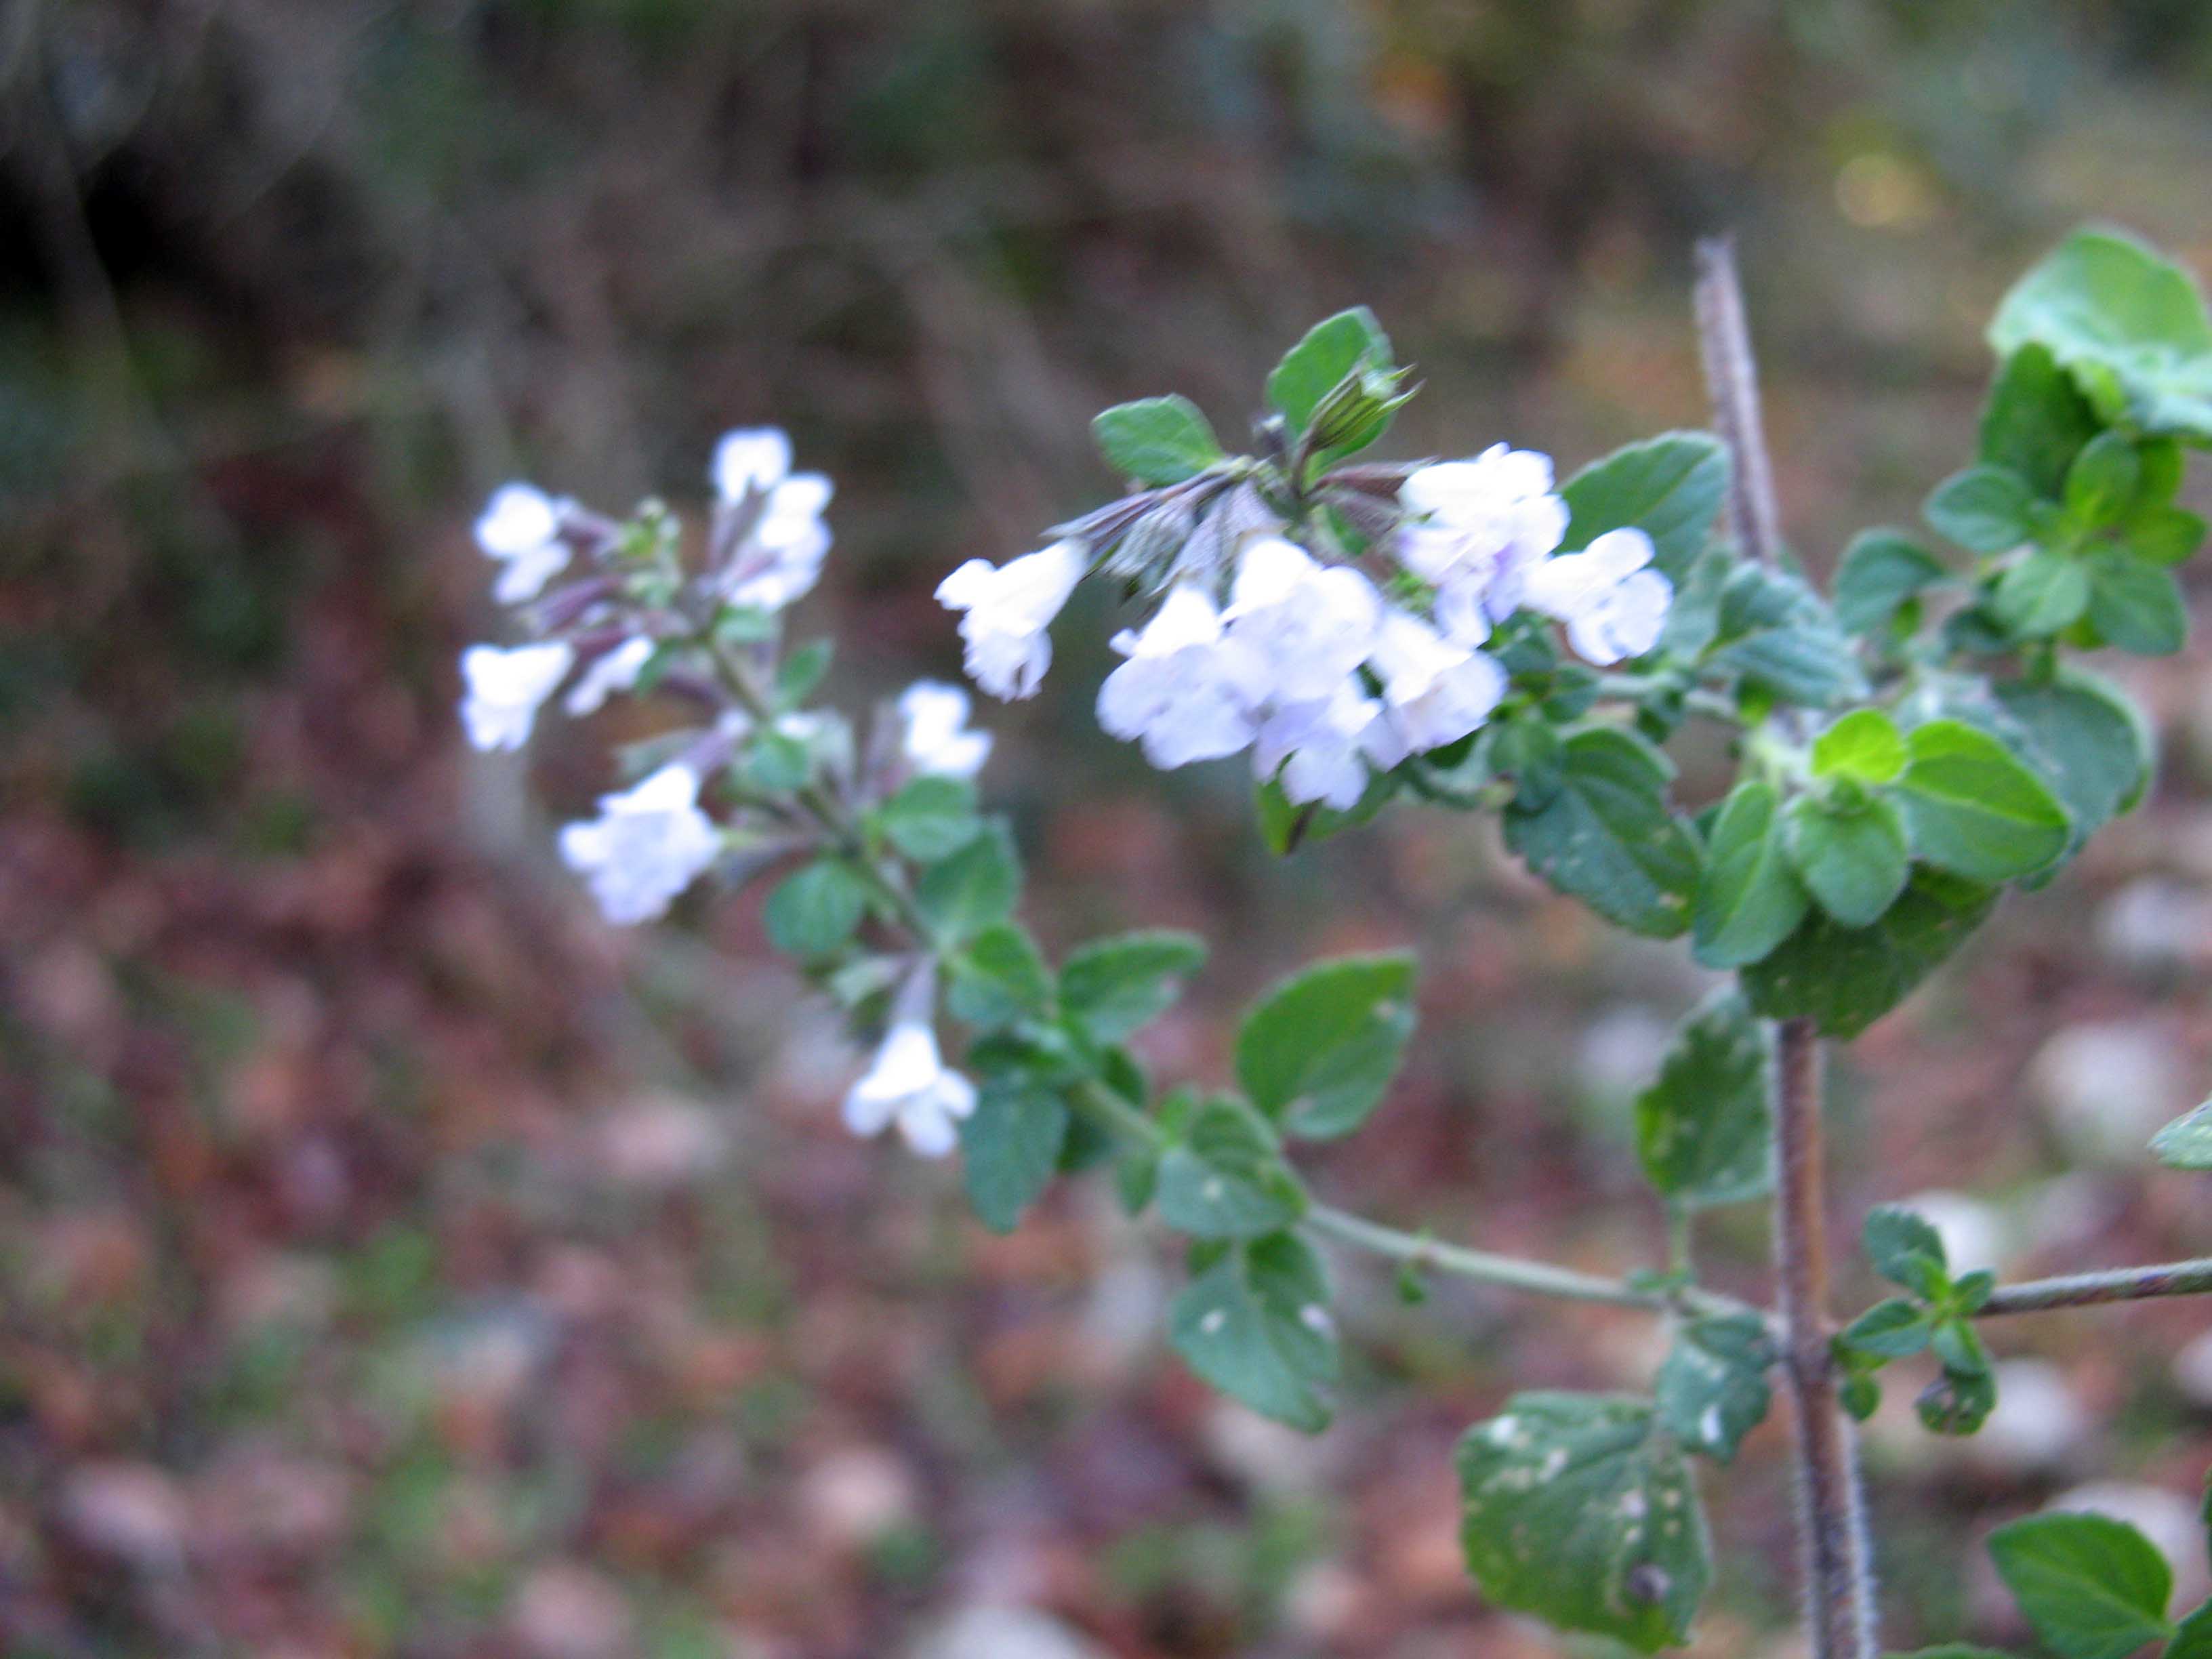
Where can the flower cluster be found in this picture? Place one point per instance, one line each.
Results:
(1325, 674)
(629, 614)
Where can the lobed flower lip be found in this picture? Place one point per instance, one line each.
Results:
(505, 689)
(934, 735)
(1007, 612)
(908, 1083)
(648, 844)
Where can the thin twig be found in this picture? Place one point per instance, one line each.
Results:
(2114, 1284)
(1838, 1582)
(1508, 1271)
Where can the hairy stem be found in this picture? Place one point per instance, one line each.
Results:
(1507, 1272)
(1839, 1613)
(2115, 1285)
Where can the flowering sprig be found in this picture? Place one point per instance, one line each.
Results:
(1474, 634)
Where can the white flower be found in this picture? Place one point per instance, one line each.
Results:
(1008, 609)
(1312, 623)
(1614, 606)
(505, 689)
(750, 457)
(613, 671)
(1321, 746)
(932, 717)
(521, 527)
(781, 558)
(1188, 692)
(646, 846)
(909, 1084)
(1482, 524)
(1437, 692)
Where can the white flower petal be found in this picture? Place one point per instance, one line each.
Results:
(749, 458)
(505, 689)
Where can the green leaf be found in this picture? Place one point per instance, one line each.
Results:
(1255, 1324)
(1606, 838)
(1317, 1051)
(1895, 1330)
(1957, 1402)
(1112, 986)
(2092, 1587)
(929, 817)
(1881, 572)
(960, 896)
(2185, 1143)
(1974, 808)
(2043, 594)
(999, 980)
(1864, 744)
(1851, 853)
(1712, 1388)
(1010, 1147)
(2135, 606)
(775, 763)
(1580, 1511)
(800, 673)
(2127, 326)
(2036, 422)
(1846, 978)
(1226, 1177)
(2088, 739)
(2193, 1640)
(1987, 508)
(1314, 368)
(1906, 1249)
(1670, 487)
(1749, 899)
(816, 910)
(1782, 638)
(1960, 1348)
(2102, 484)
(1156, 441)
(2162, 535)
(1704, 1130)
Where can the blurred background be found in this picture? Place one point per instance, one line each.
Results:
(395, 1260)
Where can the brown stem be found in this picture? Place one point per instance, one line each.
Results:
(2115, 1285)
(1839, 1613)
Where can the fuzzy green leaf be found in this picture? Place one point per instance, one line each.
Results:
(1112, 986)
(1580, 1511)
(1255, 1324)
(1704, 1129)
(1317, 1051)
(1606, 838)
(1156, 441)
(1974, 808)
(1846, 978)
(1010, 1147)
(1749, 899)
(2092, 1587)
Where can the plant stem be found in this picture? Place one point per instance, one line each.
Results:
(1839, 1613)
(822, 807)
(2087, 1290)
(1507, 1272)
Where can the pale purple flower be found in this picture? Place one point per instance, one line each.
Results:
(934, 736)
(780, 558)
(611, 672)
(1320, 748)
(908, 1083)
(1613, 605)
(1437, 692)
(506, 687)
(1311, 623)
(521, 527)
(1189, 691)
(1008, 609)
(1477, 527)
(646, 846)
